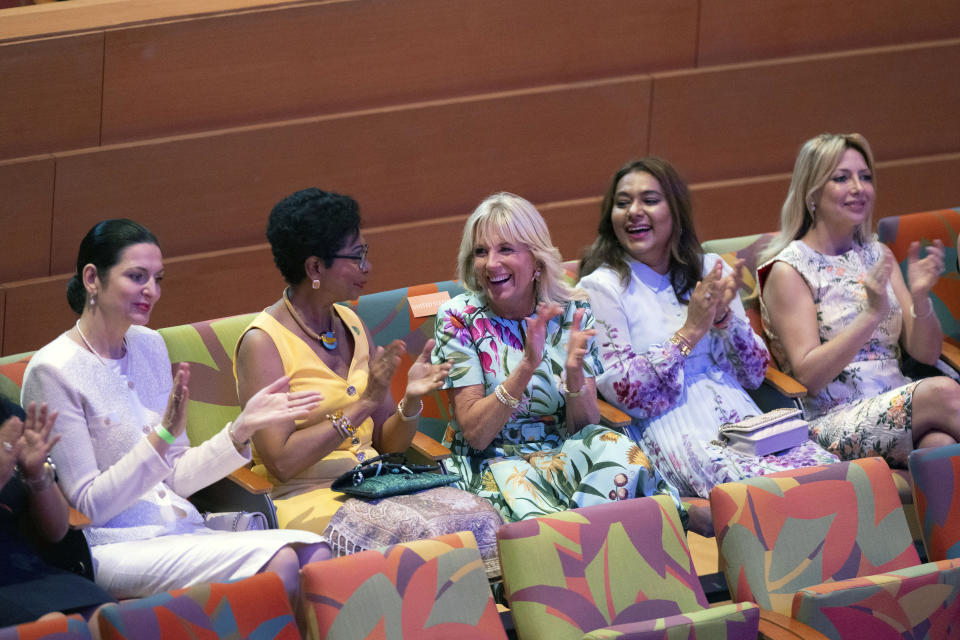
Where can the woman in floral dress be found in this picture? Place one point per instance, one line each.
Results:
(835, 307)
(676, 346)
(524, 432)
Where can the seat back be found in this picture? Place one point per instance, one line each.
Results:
(250, 608)
(428, 589)
(748, 249)
(12, 368)
(897, 232)
(584, 569)
(936, 494)
(59, 628)
(780, 533)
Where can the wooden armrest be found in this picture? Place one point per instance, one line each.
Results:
(612, 417)
(776, 626)
(428, 447)
(950, 353)
(78, 520)
(784, 383)
(250, 481)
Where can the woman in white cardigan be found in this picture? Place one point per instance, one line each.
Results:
(124, 458)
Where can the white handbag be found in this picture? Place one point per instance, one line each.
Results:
(235, 521)
(767, 433)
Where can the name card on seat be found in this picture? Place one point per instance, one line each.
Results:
(427, 304)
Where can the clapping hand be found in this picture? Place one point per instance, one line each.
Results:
(424, 377)
(577, 344)
(923, 274)
(537, 332)
(273, 404)
(728, 287)
(35, 441)
(175, 417)
(875, 284)
(704, 300)
(383, 365)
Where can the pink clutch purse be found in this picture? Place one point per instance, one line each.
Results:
(767, 433)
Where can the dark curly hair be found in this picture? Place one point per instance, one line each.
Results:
(686, 256)
(310, 222)
(102, 247)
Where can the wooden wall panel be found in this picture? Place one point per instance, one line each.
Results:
(743, 30)
(749, 120)
(334, 57)
(209, 192)
(50, 94)
(26, 210)
(35, 313)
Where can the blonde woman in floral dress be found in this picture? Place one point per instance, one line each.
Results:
(524, 432)
(837, 312)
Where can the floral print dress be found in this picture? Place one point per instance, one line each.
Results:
(534, 466)
(866, 410)
(678, 403)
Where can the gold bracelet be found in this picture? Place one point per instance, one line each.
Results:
(504, 397)
(343, 426)
(913, 312)
(681, 343)
(573, 394)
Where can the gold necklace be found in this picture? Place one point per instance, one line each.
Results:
(328, 339)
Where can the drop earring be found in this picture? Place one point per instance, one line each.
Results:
(536, 274)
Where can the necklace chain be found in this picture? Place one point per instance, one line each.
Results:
(89, 346)
(328, 339)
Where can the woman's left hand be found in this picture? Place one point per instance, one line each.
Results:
(923, 274)
(727, 288)
(35, 442)
(577, 344)
(424, 377)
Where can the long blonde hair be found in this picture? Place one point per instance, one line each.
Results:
(817, 160)
(517, 221)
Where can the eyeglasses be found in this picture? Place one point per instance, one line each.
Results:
(361, 257)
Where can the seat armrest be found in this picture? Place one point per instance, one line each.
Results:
(78, 520)
(250, 481)
(612, 417)
(776, 626)
(429, 448)
(784, 383)
(950, 353)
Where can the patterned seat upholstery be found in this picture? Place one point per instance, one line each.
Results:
(830, 546)
(428, 589)
(897, 232)
(936, 492)
(255, 607)
(614, 570)
(59, 628)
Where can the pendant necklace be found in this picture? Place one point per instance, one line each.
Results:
(328, 339)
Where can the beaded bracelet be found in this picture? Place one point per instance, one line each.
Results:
(504, 397)
(343, 426)
(402, 406)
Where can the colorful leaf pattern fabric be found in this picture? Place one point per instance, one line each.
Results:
(254, 608)
(424, 590)
(936, 491)
(819, 530)
(72, 628)
(611, 570)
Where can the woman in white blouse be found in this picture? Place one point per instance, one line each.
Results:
(124, 458)
(676, 346)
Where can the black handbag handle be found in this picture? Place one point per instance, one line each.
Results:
(389, 463)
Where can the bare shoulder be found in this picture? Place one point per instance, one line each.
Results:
(783, 283)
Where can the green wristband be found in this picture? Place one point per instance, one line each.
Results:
(165, 435)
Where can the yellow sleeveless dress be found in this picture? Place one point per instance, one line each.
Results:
(306, 501)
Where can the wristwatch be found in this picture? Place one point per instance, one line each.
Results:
(47, 477)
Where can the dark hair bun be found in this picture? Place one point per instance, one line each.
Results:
(76, 294)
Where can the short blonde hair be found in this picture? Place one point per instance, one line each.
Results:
(816, 162)
(517, 221)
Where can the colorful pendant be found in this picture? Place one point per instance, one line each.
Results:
(328, 340)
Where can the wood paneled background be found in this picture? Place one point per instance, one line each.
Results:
(195, 121)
